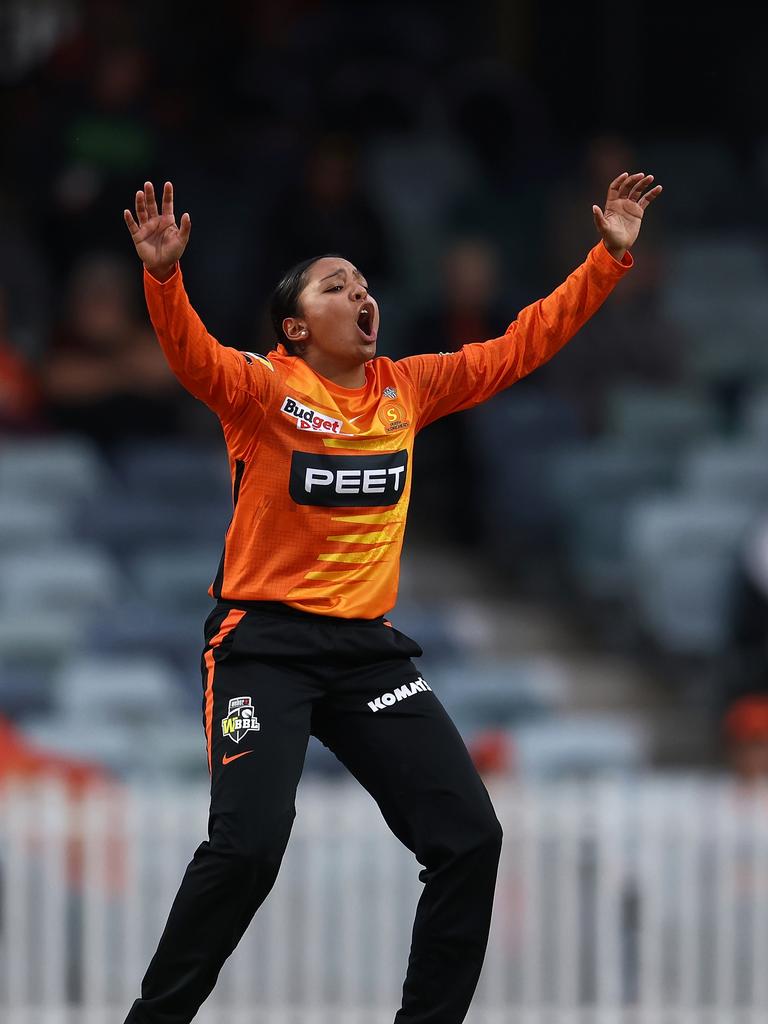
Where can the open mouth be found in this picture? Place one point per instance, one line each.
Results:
(365, 322)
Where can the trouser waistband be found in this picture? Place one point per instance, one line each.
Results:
(280, 608)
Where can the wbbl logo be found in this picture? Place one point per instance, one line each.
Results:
(240, 719)
(348, 481)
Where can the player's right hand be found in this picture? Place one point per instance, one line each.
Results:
(159, 242)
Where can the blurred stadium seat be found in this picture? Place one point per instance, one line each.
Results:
(682, 553)
(174, 471)
(649, 416)
(133, 690)
(65, 577)
(585, 744)
(26, 691)
(112, 744)
(727, 470)
(481, 693)
(32, 520)
(176, 577)
(513, 437)
(56, 468)
(689, 198)
(43, 638)
(592, 486)
(125, 522)
(754, 418)
(136, 626)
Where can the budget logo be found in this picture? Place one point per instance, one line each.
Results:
(240, 719)
(348, 481)
(308, 419)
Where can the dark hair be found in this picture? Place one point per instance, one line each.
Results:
(285, 297)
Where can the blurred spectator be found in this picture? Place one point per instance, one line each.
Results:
(492, 752)
(502, 121)
(630, 341)
(20, 398)
(470, 305)
(749, 613)
(745, 730)
(469, 310)
(20, 759)
(571, 230)
(330, 212)
(24, 283)
(106, 376)
(96, 138)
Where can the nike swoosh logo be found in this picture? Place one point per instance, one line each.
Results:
(234, 757)
(354, 418)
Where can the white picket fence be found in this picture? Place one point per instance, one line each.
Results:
(641, 900)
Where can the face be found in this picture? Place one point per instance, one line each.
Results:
(337, 317)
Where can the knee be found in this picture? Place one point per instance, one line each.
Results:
(250, 845)
(478, 837)
(488, 836)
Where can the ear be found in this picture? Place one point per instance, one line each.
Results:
(295, 329)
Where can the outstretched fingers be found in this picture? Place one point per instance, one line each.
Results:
(649, 197)
(629, 184)
(133, 227)
(639, 187)
(141, 208)
(617, 183)
(185, 227)
(167, 207)
(149, 192)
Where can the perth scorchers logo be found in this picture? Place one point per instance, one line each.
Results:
(393, 416)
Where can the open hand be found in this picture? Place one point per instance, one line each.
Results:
(159, 242)
(625, 205)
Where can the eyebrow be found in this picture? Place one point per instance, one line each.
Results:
(341, 270)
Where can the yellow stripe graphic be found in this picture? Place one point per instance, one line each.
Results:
(374, 517)
(374, 555)
(346, 574)
(374, 444)
(363, 538)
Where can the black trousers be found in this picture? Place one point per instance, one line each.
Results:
(272, 677)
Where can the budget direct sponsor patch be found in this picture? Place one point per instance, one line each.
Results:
(348, 481)
(308, 419)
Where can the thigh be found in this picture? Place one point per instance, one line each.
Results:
(257, 716)
(388, 727)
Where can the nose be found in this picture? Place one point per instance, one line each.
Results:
(358, 292)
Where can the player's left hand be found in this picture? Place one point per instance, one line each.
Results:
(627, 201)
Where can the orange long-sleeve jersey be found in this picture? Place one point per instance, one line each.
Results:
(321, 474)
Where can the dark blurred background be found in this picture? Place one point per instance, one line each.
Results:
(587, 557)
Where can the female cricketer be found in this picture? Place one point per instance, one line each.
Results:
(320, 438)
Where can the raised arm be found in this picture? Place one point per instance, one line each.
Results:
(450, 382)
(225, 379)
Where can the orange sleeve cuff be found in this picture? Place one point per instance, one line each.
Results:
(176, 273)
(626, 262)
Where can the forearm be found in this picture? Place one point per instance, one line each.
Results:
(542, 328)
(210, 371)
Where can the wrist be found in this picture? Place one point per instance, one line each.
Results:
(618, 252)
(162, 273)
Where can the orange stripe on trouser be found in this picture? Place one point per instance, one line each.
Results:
(229, 623)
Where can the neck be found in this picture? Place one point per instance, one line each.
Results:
(344, 376)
